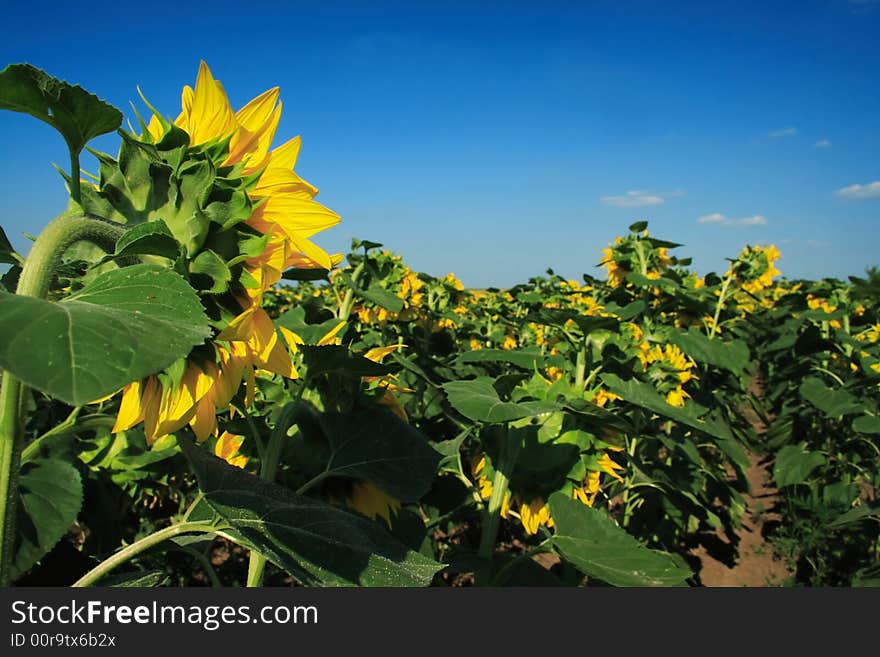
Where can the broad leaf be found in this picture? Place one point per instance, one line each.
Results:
(150, 238)
(731, 355)
(382, 297)
(122, 326)
(644, 395)
(528, 359)
(139, 579)
(857, 514)
(377, 446)
(318, 274)
(833, 403)
(478, 400)
(794, 463)
(315, 542)
(591, 541)
(50, 497)
(78, 115)
(867, 424)
(338, 359)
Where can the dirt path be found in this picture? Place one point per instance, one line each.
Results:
(754, 565)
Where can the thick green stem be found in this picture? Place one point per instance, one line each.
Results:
(75, 192)
(722, 297)
(268, 470)
(103, 568)
(628, 506)
(640, 252)
(348, 302)
(581, 366)
(36, 277)
(508, 454)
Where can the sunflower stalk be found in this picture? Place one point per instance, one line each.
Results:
(268, 470)
(722, 297)
(36, 278)
(507, 457)
(147, 542)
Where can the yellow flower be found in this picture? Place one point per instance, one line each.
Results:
(616, 273)
(609, 466)
(227, 447)
(587, 492)
(602, 397)
(509, 342)
(286, 214)
(372, 502)
(284, 206)
(676, 397)
(535, 514)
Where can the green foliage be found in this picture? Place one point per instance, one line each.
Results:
(124, 325)
(78, 115)
(51, 495)
(318, 543)
(591, 541)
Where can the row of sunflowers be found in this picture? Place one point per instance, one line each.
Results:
(186, 372)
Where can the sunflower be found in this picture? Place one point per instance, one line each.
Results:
(283, 217)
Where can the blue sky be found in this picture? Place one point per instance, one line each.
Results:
(498, 139)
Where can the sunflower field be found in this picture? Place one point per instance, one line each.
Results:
(195, 393)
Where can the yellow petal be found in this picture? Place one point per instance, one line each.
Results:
(378, 353)
(297, 216)
(210, 116)
(204, 422)
(330, 336)
(131, 412)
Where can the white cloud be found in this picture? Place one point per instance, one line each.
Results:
(823, 143)
(784, 132)
(871, 190)
(723, 220)
(634, 199)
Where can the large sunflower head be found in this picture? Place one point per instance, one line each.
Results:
(207, 195)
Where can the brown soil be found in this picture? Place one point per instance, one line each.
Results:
(747, 559)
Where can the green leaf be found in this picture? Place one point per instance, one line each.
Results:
(311, 334)
(140, 579)
(318, 274)
(8, 256)
(638, 226)
(591, 541)
(376, 446)
(528, 358)
(644, 395)
(586, 323)
(478, 400)
(122, 326)
(315, 542)
(834, 403)
(209, 273)
(50, 497)
(732, 355)
(855, 515)
(151, 238)
(794, 463)
(382, 297)
(78, 115)
(450, 453)
(867, 424)
(339, 360)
